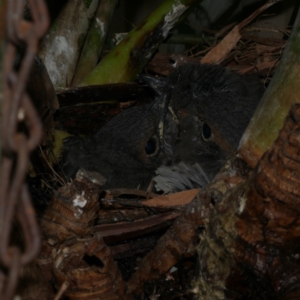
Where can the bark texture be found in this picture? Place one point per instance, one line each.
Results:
(250, 249)
(280, 95)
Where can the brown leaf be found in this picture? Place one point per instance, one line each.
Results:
(126, 230)
(267, 65)
(218, 53)
(176, 199)
(261, 49)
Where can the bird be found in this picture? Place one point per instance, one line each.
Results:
(187, 133)
(128, 149)
(215, 106)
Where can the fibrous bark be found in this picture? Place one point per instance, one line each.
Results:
(251, 245)
(71, 250)
(182, 238)
(88, 265)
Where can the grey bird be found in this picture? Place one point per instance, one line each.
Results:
(128, 149)
(183, 137)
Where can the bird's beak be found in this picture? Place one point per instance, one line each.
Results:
(158, 85)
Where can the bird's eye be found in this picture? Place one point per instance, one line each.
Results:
(206, 131)
(151, 146)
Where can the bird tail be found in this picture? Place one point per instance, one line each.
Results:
(180, 177)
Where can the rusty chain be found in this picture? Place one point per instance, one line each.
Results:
(15, 203)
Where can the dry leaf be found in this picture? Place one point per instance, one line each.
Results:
(219, 53)
(176, 199)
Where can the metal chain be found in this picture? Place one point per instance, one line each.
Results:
(15, 203)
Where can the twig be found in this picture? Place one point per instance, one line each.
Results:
(248, 20)
(62, 180)
(220, 51)
(62, 289)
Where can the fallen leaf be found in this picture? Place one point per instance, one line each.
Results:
(176, 199)
(218, 53)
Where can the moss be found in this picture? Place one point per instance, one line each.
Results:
(87, 3)
(81, 40)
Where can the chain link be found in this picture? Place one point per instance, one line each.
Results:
(15, 203)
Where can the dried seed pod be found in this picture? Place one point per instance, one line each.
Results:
(71, 214)
(73, 209)
(89, 268)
